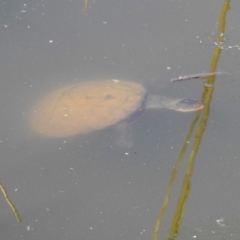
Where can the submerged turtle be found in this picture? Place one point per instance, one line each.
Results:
(89, 106)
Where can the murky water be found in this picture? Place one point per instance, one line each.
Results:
(87, 186)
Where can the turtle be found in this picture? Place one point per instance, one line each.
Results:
(84, 107)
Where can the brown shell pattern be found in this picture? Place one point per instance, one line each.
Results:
(85, 107)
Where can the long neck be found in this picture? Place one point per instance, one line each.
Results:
(156, 101)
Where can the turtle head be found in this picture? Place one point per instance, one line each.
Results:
(180, 105)
(188, 105)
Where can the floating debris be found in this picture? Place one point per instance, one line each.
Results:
(195, 76)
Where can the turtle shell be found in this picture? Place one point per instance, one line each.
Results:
(85, 107)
